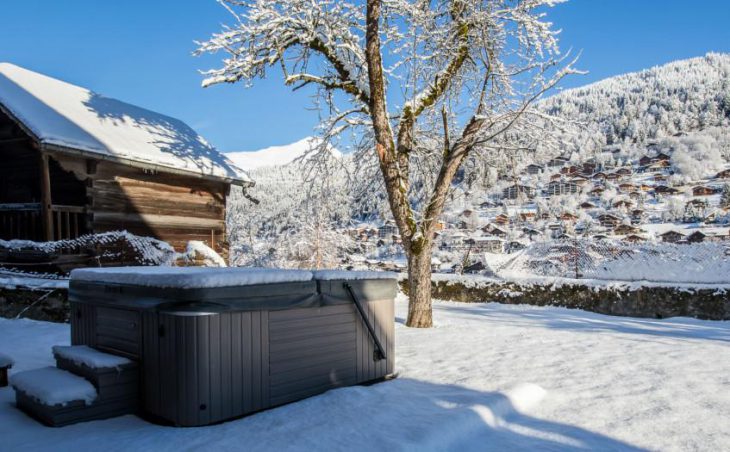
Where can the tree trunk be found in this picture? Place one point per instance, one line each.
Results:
(419, 289)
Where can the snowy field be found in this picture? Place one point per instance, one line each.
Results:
(488, 377)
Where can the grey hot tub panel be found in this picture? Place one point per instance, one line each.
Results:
(214, 354)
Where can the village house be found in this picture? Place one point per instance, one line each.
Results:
(672, 237)
(533, 168)
(75, 162)
(501, 219)
(633, 238)
(702, 190)
(626, 187)
(487, 245)
(587, 205)
(608, 220)
(596, 191)
(623, 204)
(493, 230)
(518, 191)
(569, 217)
(645, 160)
(664, 190)
(724, 174)
(570, 170)
(557, 162)
(625, 229)
(556, 188)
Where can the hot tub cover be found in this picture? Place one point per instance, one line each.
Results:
(189, 277)
(329, 275)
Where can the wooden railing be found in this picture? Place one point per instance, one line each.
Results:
(20, 221)
(25, 221)
(68, 221)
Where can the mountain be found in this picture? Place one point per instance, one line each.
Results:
(675, 98)
(276, 155)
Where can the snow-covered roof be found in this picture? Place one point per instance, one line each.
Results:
(69, 118)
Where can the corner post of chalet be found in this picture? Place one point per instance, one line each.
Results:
(46, 201)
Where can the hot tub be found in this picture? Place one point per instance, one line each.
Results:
(215, 344)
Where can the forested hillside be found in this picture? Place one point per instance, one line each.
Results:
(681, 109)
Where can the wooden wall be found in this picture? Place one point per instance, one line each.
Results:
(172, 208)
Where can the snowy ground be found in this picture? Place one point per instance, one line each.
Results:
(488, 377)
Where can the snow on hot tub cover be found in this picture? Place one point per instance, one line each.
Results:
(328, 275)
(72, 117)
(189, 277)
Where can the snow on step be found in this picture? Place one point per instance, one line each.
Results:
(189, 277)
(52, 386)
(6, 361)
(328, 275)
(89, 357)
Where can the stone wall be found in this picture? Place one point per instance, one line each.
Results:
(652, 302)
(40, 304)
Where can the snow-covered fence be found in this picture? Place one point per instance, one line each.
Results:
(703, 263)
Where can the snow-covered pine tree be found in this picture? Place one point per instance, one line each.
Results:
(473, 68)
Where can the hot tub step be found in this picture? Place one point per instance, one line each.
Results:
(58, 397)
(113, 376)
(75, 411)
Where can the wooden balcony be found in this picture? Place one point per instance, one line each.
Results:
(25, 221)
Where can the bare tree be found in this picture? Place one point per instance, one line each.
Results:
(463, 75)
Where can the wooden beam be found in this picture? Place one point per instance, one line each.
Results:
(46, 202)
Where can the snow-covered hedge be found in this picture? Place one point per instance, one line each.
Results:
(117, 247)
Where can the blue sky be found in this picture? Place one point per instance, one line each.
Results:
(139, 51)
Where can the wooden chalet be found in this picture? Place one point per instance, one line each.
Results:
(75, 162)
(672, 237)
(633, 238)
(608, 221)
(533, 168)
(501, 219)
(569, 170)
(724, 174)
(557, 162)
(626, 229)
(623, 203)
(645, 161)
(702, 190)
(665, 190)
(567, 216)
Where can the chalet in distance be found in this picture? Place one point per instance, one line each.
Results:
(75, 162)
